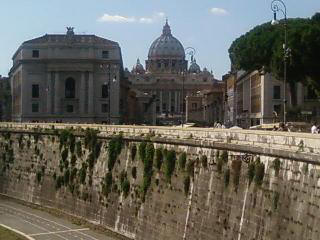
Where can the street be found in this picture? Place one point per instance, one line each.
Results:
(39, 225)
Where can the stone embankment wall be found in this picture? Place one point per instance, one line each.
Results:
(169, 183)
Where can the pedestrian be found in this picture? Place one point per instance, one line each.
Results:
(314, 128)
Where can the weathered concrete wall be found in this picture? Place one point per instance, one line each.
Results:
(285, 205)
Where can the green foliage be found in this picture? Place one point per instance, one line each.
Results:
(79, 148)
(64, 155)
(276, 166)
(262, 47)
(39, 176)
(159, 158)
(90, 138)
(133, 152)
(204, 161)
(219, 165)
(73, 174)
(275, 200)
(83, 173)
(224, 156)
(236, 172)
(107, 184)
(124, 183)
(226, 177)
(251, 172)
(190, 168)
(186, 185)
(66, 176)
(182, 160)
(73, 160)
(147, 169)
(142, 150)
(134, 172)
(59, 182)
(114, 149)
(170, 163)
(91, 160)
(259, 173)
(305, 168)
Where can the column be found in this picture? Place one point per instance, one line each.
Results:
(82, 94)
(57, 91)
(169, 110)
(90, 92)
(161, 102)
(49, 92)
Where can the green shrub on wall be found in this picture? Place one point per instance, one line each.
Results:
(226, 177)
(236, 172)
(79, 148)
(83, 173)
(170, 163)
(142, 151)
(114, 149)
(134, 172)
(182, 160)
(204, 161)
(186, 185)
(190, 168)
(133, 152)
(159, 158)
(276, 166)
(259, 173)
(224, 156)
(251, 172)
(107, 184)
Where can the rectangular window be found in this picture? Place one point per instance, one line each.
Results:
(35, 53)
(276, 92)
(70, 108)
(35, 107)
(105, 54)
(104, 91)
(104, 108)
(35, 90)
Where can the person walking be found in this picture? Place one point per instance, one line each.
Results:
(314, 128)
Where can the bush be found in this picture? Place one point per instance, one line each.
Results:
(236, 169)
(39, 176)
(79, 148)
(134, 172)
(73, 174)
(64, 154)
(107, 184)
(251, 172)
(170, 162)
(227, 177)
(224, 156)
(219, 165)
(66, 176)
(159, 158)
(259, 173)
(83, 173)
(125, 187)
(190, 168)
(133, 152)
(73, 160)
(59, 182)
(142, 151)
(204, 161)
(182, 160)
(186, 184)
(276, 166)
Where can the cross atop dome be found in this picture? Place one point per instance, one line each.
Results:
(166, 29)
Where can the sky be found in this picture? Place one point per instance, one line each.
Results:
(209, 26)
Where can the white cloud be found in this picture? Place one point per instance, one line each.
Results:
(219, 11)
(116, 18)
(122, 19)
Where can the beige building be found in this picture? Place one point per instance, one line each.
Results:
(163, 85)
(259, 100)
(5, 99)
(68, 78)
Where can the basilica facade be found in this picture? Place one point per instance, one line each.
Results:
(161, 87)
(68, 78)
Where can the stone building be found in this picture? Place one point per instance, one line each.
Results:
(258, 99)
(5, 99)
(68, 78)
(206, 107)
(163, 85)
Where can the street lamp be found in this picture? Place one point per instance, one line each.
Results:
(279, 6)
(188, 51)
(108, 70)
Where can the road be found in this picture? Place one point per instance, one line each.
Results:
(39, 225)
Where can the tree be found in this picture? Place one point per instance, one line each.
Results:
(262, 47)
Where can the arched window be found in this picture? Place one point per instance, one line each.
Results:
(70, 88)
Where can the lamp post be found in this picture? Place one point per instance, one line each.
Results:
(279, 6)
(108, 70)
(188, 51)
